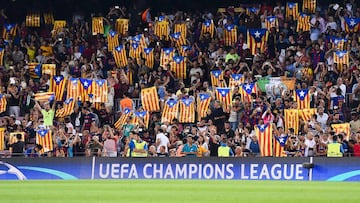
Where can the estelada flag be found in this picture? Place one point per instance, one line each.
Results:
(58, 25)
(44, 96)
(352, 24)
(170, 111)
(112, 40)
(135, 51)
(144, 116)
(166, 56)
(307, 114)
(217, 77)
(73, 89)
(178, 66)
(45, 139)
(246, 91)
(292, 10)
(265, 138)
(251, 10)
(342, 128)
(100, 90)
(122, 26)
(310, 5)
(2, 138)
(303, 22)
(35, 70)
(97, 25)
(129, 74)
(257, 39)
(120, 56)
(2, 51)
(203, 103)
(207, 27)
(49, 18)
(148, 55)
(122, 120)
(279, 144)
(3, 103)
(178, 39)
(224, 95)
(58, 85)
(181, 27)
(86, 88)
(291, 119)
(49, 69)
(9, 31)
(302, 98)
(271, 21)
(67, 109)
(230, 35)
(187, 110)
(32, 19)
(150, 99)
(139, 39)
(183, 50)
(161, 30)
(236, 80)
(338, 43)
(341, 58)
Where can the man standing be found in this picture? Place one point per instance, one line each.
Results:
(335, 149)
(47, 113)
(17, 148)
(190, 149)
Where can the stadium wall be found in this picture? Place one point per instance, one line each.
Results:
(324, 169)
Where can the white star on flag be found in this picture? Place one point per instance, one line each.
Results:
(167, 51)
(118, 49)
(237, 77)
(257, 34)
(352, 22)
(207, 24)
(73, 81)
(177, 60)
(341, 54)
(58, 79)
(336, 41)
(216, 74)
(42, 133)
(281, 140)
(100, 82)
(86, 84)
(302, 93)
(223, 92)
(247, 87)
(202, 97)
(147, 51)
(262, 127)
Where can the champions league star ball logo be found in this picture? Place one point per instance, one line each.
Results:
(8, 171)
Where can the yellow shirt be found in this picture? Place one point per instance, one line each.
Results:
(48, 117)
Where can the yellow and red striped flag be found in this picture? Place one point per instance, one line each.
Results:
(265, 137)
(150, 99)
(352, 25)
(49, 18)
(181, 27)
(310, 5)
(230, 35)
(203, 103)
(207, 27)
(97, 25)
(122, 26)
(129, 74)
(49, 69)
(170, 111)
(122, 120)
(161, 30)
(236, 80)
(58, 26)
(279, 144)
(257, 39)
(178, 39)
(291, 119)
(112, 40)
(135, 51)
(187, 110)
(86, 88)
(58, 85)
(9, 31)
(217, 77)
(3, 103)
(67, 109)
(148, 55)
(32, 19)
(292, 9)
(224, 95)
(2, 138)
(35, 70)
(73, 88)
(306, 114)
(166, 56)
(247, 90)
(45, 139)
(251, 10)
(271, 21)
(341, 58)
(178, 66)
(342, 128)
(302, 98)
(303, 22)
(100, 91)
(44, 96)
(338, 43)
(183, 49)
(139, 39)
(120, 56)
(142, 115)
(2, 52)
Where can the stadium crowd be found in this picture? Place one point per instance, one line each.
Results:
(304, 57)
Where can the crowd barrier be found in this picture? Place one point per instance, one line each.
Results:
(297, 169)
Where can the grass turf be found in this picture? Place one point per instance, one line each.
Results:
(173, 191)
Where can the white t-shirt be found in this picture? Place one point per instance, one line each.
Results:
(164, 141)
(309, 144)
(322, 120)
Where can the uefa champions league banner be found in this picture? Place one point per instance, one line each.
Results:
(343, 169)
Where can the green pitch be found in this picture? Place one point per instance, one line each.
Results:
(174, 191)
